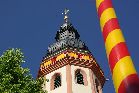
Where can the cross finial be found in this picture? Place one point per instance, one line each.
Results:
(65, 13)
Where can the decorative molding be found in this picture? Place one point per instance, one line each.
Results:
(71, 57)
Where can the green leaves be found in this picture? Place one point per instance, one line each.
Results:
(14, 78)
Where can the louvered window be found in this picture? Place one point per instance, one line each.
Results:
(79, 77)
(57, 81)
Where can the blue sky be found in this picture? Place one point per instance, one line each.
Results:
(32, 24)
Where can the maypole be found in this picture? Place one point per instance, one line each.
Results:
(125, 78)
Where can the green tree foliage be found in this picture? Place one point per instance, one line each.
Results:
(14, 78)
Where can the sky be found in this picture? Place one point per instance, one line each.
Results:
(31, 25)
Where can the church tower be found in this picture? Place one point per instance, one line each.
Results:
(69, 66)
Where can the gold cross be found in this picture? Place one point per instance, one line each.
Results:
(65, 13)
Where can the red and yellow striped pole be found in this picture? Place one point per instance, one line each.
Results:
(124, 75)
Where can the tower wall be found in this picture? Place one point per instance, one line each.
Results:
(68, 81)
(78, 88)
(63, 87)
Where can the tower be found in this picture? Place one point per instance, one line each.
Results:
(69, 66)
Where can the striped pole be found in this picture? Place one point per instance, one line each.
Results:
(125, 78)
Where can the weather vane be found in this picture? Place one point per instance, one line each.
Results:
(65, 13)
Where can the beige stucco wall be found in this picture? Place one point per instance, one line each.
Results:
(70, 82)
(63, 88)
(77, 88)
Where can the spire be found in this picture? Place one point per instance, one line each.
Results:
(66, 36)
(65, 15)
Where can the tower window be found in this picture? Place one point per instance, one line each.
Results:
(55, 81)
(79, 77)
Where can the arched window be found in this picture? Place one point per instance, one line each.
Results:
(79, 77)
(55, 81)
